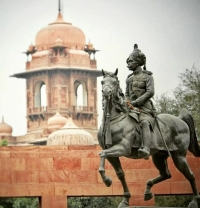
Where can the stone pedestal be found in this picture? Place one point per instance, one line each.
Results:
(54, 172)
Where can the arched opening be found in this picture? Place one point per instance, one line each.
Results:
(80, 93)
(29, 58)
(40, 94)
(43, 95)
(61, 52)
(56, 52)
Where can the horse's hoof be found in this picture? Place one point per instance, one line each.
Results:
(108, 181)
(148, 196)
(124, 204)
(193, 204)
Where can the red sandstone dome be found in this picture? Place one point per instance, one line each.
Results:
(70, 134)
(31, 48)
(56, 121)
(90, 45)
(5, 129)
(71, 36)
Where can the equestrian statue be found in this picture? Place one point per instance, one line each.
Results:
(131, 128)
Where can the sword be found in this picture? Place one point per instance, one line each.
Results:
(139, 110)
(163, 138)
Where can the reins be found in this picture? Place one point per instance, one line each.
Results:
(107, 120)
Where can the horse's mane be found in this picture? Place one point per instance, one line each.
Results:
(121, 105)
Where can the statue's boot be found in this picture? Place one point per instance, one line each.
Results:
(144, 151)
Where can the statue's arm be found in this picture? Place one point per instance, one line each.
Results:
(149, 92)
(127, 89)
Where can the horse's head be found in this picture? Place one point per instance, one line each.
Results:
(111, 92)
(109, 83)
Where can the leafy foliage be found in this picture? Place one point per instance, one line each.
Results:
(19, 203)
(166, 104)
(6, 202)
(173, 201)
(4, 142)
(186, 95)
(26, 203)
(93, 202)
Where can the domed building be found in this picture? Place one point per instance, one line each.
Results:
(56, 122)
(70, 134)
(60, 71)
(71, 36)
(5, 129)
(6, 133)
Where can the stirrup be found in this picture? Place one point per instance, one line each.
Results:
(144, 152)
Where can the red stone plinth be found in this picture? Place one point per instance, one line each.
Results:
(55, 172)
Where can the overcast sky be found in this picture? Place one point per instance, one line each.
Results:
(168, 32)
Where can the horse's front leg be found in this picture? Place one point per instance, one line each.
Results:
(107, 180)
(115, 162)
(116, 151)
(121, 149)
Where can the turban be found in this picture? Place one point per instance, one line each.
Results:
(138, 57)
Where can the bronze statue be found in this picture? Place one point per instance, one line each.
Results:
(120, 135)
(139, 91)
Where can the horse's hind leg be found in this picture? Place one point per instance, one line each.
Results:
(160, 161)
(115, 162)
(180, 162)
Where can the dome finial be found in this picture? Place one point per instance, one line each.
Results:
(59, 8)
(2, 119)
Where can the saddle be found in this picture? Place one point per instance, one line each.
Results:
(159, 132)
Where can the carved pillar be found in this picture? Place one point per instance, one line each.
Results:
(59, 95)
(48, 90)
(71, 91)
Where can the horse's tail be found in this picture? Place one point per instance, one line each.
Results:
(194, 147)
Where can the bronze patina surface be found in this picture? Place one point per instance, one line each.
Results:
(131, 128)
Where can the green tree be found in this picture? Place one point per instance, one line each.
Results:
(166, 104)
(186, 95)
(19, 202)
(6, 202)
(4, 142)
(26, 203)
(93, 202)
(173, 201)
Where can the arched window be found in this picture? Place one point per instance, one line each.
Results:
(61, 52)
(43, 95)
(40, 94)
(80, 93)
(56, 52)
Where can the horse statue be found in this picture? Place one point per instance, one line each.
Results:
(119, 135)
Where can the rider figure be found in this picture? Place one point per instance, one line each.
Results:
(139, 91)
